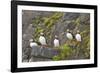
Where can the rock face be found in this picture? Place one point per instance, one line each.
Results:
(43, 54)
(68, 20)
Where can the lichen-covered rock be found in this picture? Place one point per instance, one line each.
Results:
(44, 52)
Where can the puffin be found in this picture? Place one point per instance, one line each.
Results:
(78, 36)
(69, 35)
(78, 39)
(32, 43)
(56, 41)
(42, 39)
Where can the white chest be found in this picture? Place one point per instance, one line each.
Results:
(69, 36)
(78, 37)
(42, 40)
(56, 43)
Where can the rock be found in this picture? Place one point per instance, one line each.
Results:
(25, 60)
(48, 52)
(26, 54)
(44, 52)
(35, 59)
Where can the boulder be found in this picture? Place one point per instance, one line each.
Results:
(44, 52)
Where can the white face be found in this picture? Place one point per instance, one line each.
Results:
(42, 34)
(56, 36)
(30, 40)
(78, 31)
(67, 30)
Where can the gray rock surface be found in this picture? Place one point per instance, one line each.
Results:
(44, 52)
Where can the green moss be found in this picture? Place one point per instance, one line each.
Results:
(47, 24)
(65, 51)
(56, 58)
(86, 42)
(49, 21)
(76, 21)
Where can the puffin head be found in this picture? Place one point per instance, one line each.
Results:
(56, 37)
(78, 31)
(42, 34)
(31, 40)
(68, 30)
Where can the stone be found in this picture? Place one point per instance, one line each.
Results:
(44, 52)
(35, 59)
